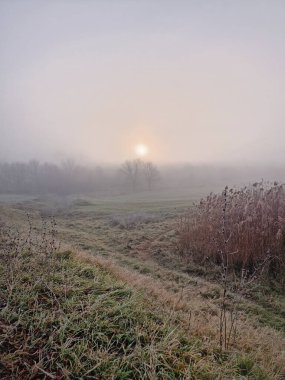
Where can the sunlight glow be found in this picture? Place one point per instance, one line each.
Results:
(141, 150)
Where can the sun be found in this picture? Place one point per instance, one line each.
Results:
(141, 150)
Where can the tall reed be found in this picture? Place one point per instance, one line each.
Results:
(249, 223)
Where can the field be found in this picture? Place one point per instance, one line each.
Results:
(129, 244)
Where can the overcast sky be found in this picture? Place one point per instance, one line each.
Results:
(195, 81)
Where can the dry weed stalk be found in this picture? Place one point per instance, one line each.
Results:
(252, 227)
(243, 233)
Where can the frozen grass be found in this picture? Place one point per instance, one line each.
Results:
(63, 318)
(68, 320)
(132, 220)
(165, 300)
(248, 224)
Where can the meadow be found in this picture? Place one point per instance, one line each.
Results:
(122, 302)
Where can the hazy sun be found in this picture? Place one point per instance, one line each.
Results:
(141, 150)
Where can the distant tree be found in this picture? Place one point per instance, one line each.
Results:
(33, 168)
(69, 177)
(131, 170)
(69, 166)
(150, 173)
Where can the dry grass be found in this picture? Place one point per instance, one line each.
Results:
(250, 222)
(200, 318)
(63, 317)
(132, 220)
(175, 299)
(241, 232)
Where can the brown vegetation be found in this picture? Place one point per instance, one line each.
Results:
(148, 266)
(247, 224)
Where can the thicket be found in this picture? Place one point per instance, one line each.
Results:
(248, 224)
(242, 233)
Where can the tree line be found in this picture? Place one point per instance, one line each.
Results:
(68, 177)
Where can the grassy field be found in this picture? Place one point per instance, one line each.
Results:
(128, 244)
(76, 321)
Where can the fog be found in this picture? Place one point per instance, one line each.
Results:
(199, 82)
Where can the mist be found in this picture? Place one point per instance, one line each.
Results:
(142, 189)
(197, 82)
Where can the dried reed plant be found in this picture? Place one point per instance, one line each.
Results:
(248, 223)
(242, 233)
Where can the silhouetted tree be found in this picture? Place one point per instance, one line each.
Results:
(150, 173)
(131, 170)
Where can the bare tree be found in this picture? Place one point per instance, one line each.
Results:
(151, 174)
(131, 170)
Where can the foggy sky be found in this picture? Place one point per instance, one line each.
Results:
(197, 81)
